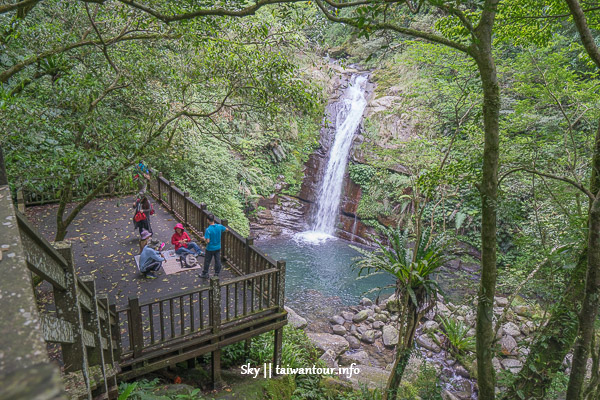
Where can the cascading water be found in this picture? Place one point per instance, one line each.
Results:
(347, 120)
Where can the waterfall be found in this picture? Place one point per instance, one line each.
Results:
(347, 120)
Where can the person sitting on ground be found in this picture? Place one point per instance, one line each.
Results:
(183, 243)
(212, 235)
(144, 239)
(151, 259)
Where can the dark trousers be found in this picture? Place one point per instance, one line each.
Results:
(208, 258)
(153, 266)
(145, 224)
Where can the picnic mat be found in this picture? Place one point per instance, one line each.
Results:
(172, 264)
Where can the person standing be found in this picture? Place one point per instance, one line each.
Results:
(212, 235)
(144, 207)
(183, 243)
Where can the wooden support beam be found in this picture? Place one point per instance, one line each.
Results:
(277, 347)
(215, 311)
(57, 330)
(68, 308)
(92, 322)
(137, 333)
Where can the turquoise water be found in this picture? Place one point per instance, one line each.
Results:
(320, 275)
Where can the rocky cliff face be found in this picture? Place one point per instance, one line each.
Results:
(284, 214)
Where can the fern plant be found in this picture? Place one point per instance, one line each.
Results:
(456, 333)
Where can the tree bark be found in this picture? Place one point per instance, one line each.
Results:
(591, 299)
(482, 53)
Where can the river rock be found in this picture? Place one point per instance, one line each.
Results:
(371, 319)
(337, 320)
(381, 317)
(497, 365)
(326, 341)
(362, 329)
(359, 357)
(378, 325)
(429, 344)
(511, 329)
(372, 377)
(368, 336)
(352, 341)
(390, 336)
(338, 330)
(378, 334)
(501, 301)
(523, 310)
(294, 319)
(392, 306)
(507, 345)
(462, 371)
(446, 395)
(528, 327)
(377, 309)
(512, 365)
(347, 315)
(430, 326)
(366, 302)
(360, 316)
(330, 358)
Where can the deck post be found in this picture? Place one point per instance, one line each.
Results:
(115, 333)
(171, 184)
(109, 351)
(21, 200)
(202, 217)
(137, 333)
(158, 186)
(186, 201)
(281, 285)
(224, 248)
(249, 242)
(277, 346)
(68, 308)
(215, 316)
(92, 324)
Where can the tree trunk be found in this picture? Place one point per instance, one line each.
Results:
(486, 379)
(402, 358)
(591, 299)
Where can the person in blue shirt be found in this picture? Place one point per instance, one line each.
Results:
(150, 259)
(212, 236)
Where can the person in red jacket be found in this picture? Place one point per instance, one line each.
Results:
(182, 242)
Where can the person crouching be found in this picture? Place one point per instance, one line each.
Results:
(151, 260)
(183, 244)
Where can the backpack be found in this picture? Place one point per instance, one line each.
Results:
(139, 215)
(188, 261)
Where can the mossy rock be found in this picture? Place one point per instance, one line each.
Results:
(332, 387)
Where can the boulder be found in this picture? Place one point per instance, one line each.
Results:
(378, 325)
(390, 336)
(352, 341)
(359, 357)
(337, 320)
(333, 386)
(339, 330)
(366, 302)
(294, 319)
(381, 317)
(501, 301)
(368, 336)
(430, 326)
(429, 344)
(523, 310)
(446, 395)
(347, 315)
(372, 377)
(377, 309)
(326, 341)
(330, 358)
(462, 371)
(497, 365)
(360, 316)
(508, 344)
(362, 329)
(511, 329)
(514, 366)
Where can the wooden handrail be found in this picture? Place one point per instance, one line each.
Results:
(249, 276)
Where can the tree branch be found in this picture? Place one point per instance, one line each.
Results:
(571, 182)
(587, 39)
(11, 7)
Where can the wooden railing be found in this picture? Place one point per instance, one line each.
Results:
(73, 314)
(45, 191)
(183, 325)
(239, 252)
